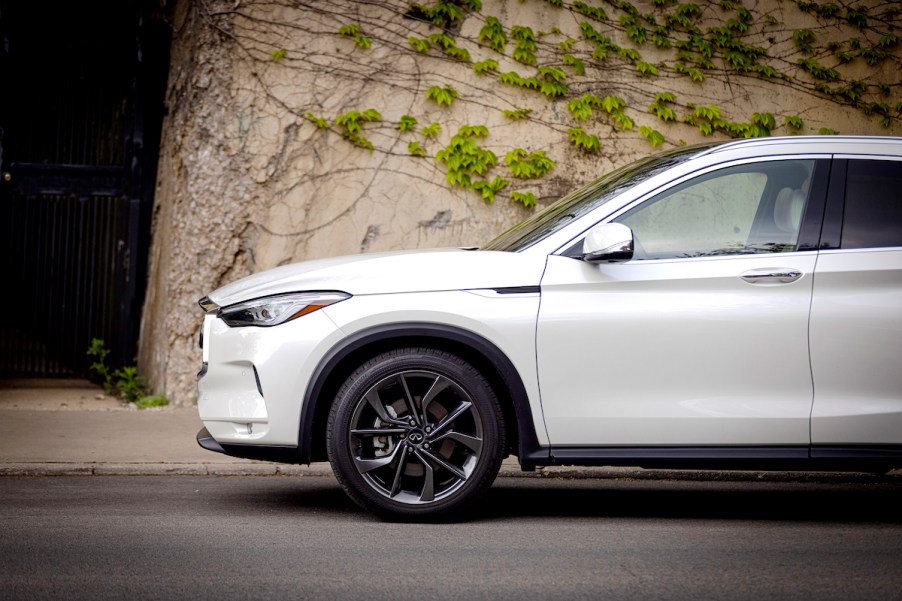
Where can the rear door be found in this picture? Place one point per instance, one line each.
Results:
(856, 312)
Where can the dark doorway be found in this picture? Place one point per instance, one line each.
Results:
(80, 116)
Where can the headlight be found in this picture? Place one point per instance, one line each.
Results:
(273, 310)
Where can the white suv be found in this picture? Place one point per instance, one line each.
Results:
(733, 305)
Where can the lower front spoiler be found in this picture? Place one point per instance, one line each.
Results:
(278, 454)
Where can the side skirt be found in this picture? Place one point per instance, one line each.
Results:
(803, 458)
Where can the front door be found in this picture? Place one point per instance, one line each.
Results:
(702, 338)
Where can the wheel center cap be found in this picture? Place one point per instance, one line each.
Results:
(416, 437)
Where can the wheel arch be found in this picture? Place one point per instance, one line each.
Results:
(482, 354)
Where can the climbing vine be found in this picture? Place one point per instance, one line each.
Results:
(642, 70)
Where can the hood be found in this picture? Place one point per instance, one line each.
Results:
(391, 272)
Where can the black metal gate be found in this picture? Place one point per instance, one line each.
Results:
(79, 120)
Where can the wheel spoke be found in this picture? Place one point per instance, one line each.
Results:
(399, 471)
(408, 400)
(448, 419)
(372, 397)
(471, 442)
(428, 491)
(368, 465)
(441, 462)
(438, 386)
(378, 431)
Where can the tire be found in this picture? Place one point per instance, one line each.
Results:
(403, 459)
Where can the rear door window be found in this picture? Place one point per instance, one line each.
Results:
(872, 217)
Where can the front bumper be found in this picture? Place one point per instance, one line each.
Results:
(279, 454)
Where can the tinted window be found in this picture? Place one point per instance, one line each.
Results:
(747, 209)
(873, 211)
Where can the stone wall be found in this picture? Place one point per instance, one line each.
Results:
(258, 170)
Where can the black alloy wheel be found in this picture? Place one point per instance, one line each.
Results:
(415, 433)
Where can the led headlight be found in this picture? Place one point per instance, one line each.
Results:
(273, 310)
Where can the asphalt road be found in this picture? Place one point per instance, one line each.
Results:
(182, 537)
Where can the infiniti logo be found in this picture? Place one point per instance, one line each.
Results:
(416, 437)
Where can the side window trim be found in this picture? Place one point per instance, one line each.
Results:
(831, 233)
(811, 229)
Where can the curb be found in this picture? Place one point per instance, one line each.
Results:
(507, 471)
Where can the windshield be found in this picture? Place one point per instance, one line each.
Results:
(586, 199)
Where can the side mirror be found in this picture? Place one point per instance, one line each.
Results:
(609, 242)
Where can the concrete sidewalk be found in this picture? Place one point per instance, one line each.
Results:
(70, 427)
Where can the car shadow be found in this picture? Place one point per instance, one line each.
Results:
(679, 499)
(515, 498)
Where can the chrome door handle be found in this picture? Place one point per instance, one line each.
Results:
(771, 276)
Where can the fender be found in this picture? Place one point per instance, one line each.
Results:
(529, 452)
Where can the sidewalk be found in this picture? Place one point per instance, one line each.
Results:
(69, 427)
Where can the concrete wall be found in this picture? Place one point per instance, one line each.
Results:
(247, 181)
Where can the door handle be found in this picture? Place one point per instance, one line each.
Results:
(771, 276)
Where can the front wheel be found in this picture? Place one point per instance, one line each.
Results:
(415, 433)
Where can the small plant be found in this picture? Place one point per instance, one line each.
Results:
(151, 401)
(99, 352)
(123, 383)
(130, 385)
(279, 54)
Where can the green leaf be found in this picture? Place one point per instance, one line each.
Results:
(318, 121)
(517, 114)
(419, 44)
(578, 65)
(407, 123)
(371, 115)
(654, 137)
(431, 130)
(471, 131)
(612, 104)
(279, 54)
(583, 141)
(527, 199)
(443, 96)
(646, 68)
(415, 149)
(489, 64)
(493, 34)
(580, 109)
(349, 30)
(793, 122)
